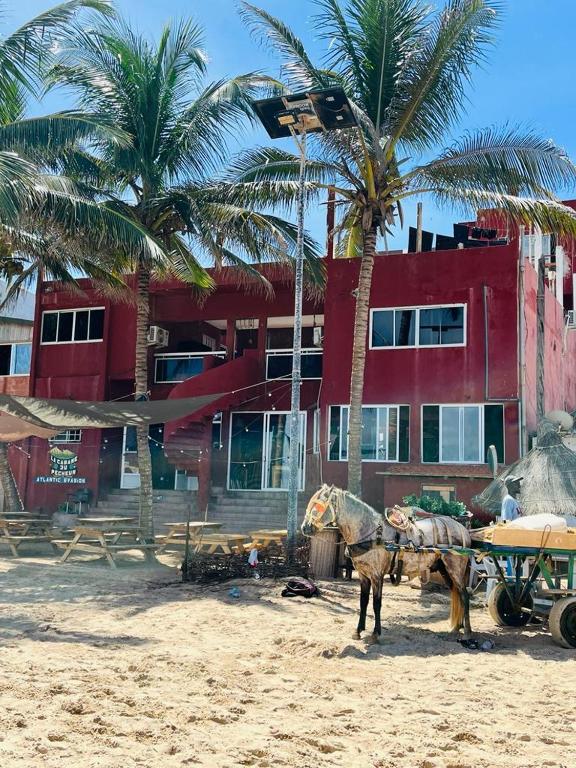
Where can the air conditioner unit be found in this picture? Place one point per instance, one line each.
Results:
(571, 318)
(157, 337)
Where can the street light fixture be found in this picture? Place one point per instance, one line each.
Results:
(317, 111)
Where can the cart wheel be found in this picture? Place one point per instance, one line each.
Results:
(505, 614)
(562, 622)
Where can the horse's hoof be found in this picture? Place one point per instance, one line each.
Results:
(356, 636)
(375, 639)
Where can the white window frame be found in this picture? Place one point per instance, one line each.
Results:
(13, 344)
(302, 448)
(482, 437)
(68, 311)
(316, 431)
(70, 436)
(377, 460)
(417, 309)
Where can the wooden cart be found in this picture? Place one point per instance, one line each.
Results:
(541, 582)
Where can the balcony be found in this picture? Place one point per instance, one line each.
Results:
(279, 363)
(174, 367)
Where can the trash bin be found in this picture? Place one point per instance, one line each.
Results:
(323, 553)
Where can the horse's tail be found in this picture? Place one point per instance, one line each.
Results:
(456, 609)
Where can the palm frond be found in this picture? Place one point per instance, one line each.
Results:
(506, 160)
(548, 215)
(25, 51)
(298, 71)
(430, 95)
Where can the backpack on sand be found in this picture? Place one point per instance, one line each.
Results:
(299, 587)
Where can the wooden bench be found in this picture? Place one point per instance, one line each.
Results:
(15, 540)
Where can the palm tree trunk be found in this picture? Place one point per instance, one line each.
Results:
(141, 393)
(12, 501)
(359, 363)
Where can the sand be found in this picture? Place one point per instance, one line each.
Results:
(125, 668)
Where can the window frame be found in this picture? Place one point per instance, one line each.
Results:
(289, 353)
(482, 436)
(69, 439)
(417, 308)
(12, 345)
(377, 406)
(316, 431)
(73, 312)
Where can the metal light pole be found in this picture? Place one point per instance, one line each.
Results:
(296, 115)
(295, 428)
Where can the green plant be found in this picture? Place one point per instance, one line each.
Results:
(437, 505)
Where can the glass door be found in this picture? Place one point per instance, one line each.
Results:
(246, 445)
(275, 474)
(130, 477)
(260, 451)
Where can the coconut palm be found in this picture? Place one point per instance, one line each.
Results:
(33, 200)
(178, 129)
(405, 68)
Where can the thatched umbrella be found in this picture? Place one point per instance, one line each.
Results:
(549, 480)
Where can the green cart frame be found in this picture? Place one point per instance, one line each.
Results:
(548, 591)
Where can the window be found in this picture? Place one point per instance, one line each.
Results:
(73, 325)
(445, 492)
(461, 434)
(316, 432)
(438, 326)
(69, 436)
(15, 359)
(385, 434)
(279, 364)
(217, 431)
(171, 368)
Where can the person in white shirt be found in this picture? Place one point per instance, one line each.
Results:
(510, 505)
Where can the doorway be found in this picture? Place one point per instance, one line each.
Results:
(259, 453)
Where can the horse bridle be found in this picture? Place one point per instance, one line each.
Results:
(320, 507)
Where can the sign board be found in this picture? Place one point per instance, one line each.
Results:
(60, 480)
(63, 468)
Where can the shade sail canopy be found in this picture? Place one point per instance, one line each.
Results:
(549, 480)
(22, 417)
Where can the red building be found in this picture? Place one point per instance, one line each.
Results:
(452, 368)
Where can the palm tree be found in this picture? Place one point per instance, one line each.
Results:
(178, 129)
(405, 69)
(31, 197)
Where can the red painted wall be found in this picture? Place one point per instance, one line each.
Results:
(426, 376)
(15, 385)
(485, 370)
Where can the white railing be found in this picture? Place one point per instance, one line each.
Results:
(174, 367)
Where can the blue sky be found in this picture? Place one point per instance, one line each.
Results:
(529, 78)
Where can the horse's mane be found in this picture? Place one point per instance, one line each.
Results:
(353, 503)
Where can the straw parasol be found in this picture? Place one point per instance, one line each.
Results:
(549, 479)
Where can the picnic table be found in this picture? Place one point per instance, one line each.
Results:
(264, 538)
(105, 537)
(177, 533)
(220, 543)
(15, 531)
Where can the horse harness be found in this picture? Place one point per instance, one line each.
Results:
(403, 526)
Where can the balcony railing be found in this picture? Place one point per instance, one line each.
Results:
(279, 363)
(173, 367)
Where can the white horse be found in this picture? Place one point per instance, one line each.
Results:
(366, 532)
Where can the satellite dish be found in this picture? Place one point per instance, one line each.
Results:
(563, 419)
